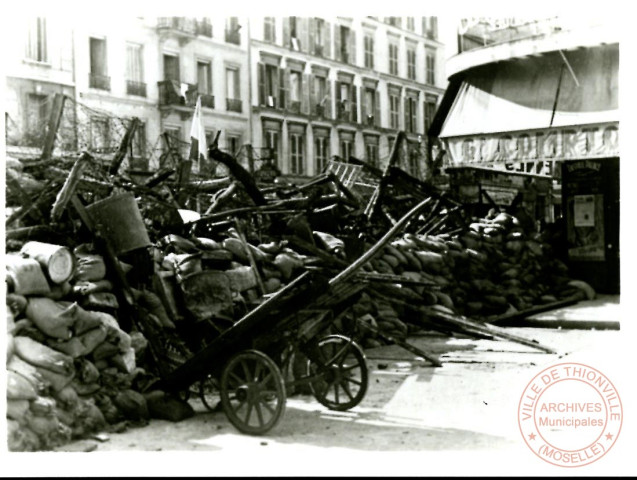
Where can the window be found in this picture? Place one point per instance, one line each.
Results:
(135, 70)
(204, 78)
(320, 152)
(347, 107)
(431, 66)
(319, 36)
(371, 150)
(98, 75)
(273, 143)
(411, 63)
(430, 111)
(233, 92)
(295, 91)
(232, 31)
(269, 81)
(346, 44)
(36, 41)
(430, 27)
(393, 59)
(320, 96)
(411, 24)
(269, 29)
(100, 134)
(171, 67)
(233, 144)
(394, 109)
(139, 141)
(368, 42)
(393, 21)
(295, 42)
(370, 106)
(297, 162)
(411, 105)
(345, 146)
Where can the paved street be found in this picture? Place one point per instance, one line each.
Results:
(415, 419)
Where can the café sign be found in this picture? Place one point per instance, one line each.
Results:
(535, 151)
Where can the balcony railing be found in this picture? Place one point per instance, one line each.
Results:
(319, 110)
(295, 107)
(233, 37)
(234, 105)
(135, 88)
(207, 101)
(172, 92)
(204, 28)
(101, 82)
(182, 25)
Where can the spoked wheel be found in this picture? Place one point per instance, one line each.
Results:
(343, 379)
(209, 393)
(252, 392)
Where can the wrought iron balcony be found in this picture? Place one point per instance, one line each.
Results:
(295, 107)
(172, 92)
(136, 88)
(204, 28)
(234, 105)
(179, 25)
(101, 82)
(207, 101)
(233, 36)
(319, 110)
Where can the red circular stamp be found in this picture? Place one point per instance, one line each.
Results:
(570, 414)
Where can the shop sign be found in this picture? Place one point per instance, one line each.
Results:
(536, 151)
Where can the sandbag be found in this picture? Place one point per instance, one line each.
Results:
(59, 291)
(73, 347)
(85, 389)
(17, 303)
(43, 406)
(57, 380)
(242, 278)
(100, 300)
(10, 347)
(17, 409)
(85, 288)
(93, 338)
(29, 372)
(151, 302)
(50, 430)
(25, 276)
(125, 362)
(55, 319)
(86, 320)
(133, 405)
(91, 417)
(19, 388)
(87, 372)
(66, 398)
(40, 355)
(237, 248)
(104, 350)
(89, 268)
(167, 407)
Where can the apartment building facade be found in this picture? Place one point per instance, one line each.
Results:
(342, 86)
(296, 90)
(153, 69)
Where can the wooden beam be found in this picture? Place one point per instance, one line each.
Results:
(124, 146)
(240, 173)
(53, 126)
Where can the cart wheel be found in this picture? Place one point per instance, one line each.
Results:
(252, 392)
(344, 379)
(209, 393)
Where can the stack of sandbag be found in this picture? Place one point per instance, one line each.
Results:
(492, 268)
(70, 365)
(27, 182)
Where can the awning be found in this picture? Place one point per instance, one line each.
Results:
(522, 94)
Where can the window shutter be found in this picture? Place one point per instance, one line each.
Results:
(353, 115)
(284, 87)
(261, 82)
(305, 94)
(286, 32)
(327, 39)
(303, 33)
(352, 47)
(406, 113)
(337, 42)
(328, 102)
(312, 36)
(377, 108)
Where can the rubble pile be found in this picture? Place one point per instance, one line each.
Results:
(116, 301)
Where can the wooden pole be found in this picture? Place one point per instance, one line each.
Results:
(124, 145)
(53, 126)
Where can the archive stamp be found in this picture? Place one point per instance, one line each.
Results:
(570, 414)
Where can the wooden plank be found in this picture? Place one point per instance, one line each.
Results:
(53, 126)
(240, 173)
(511, 318)
(70, 184)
